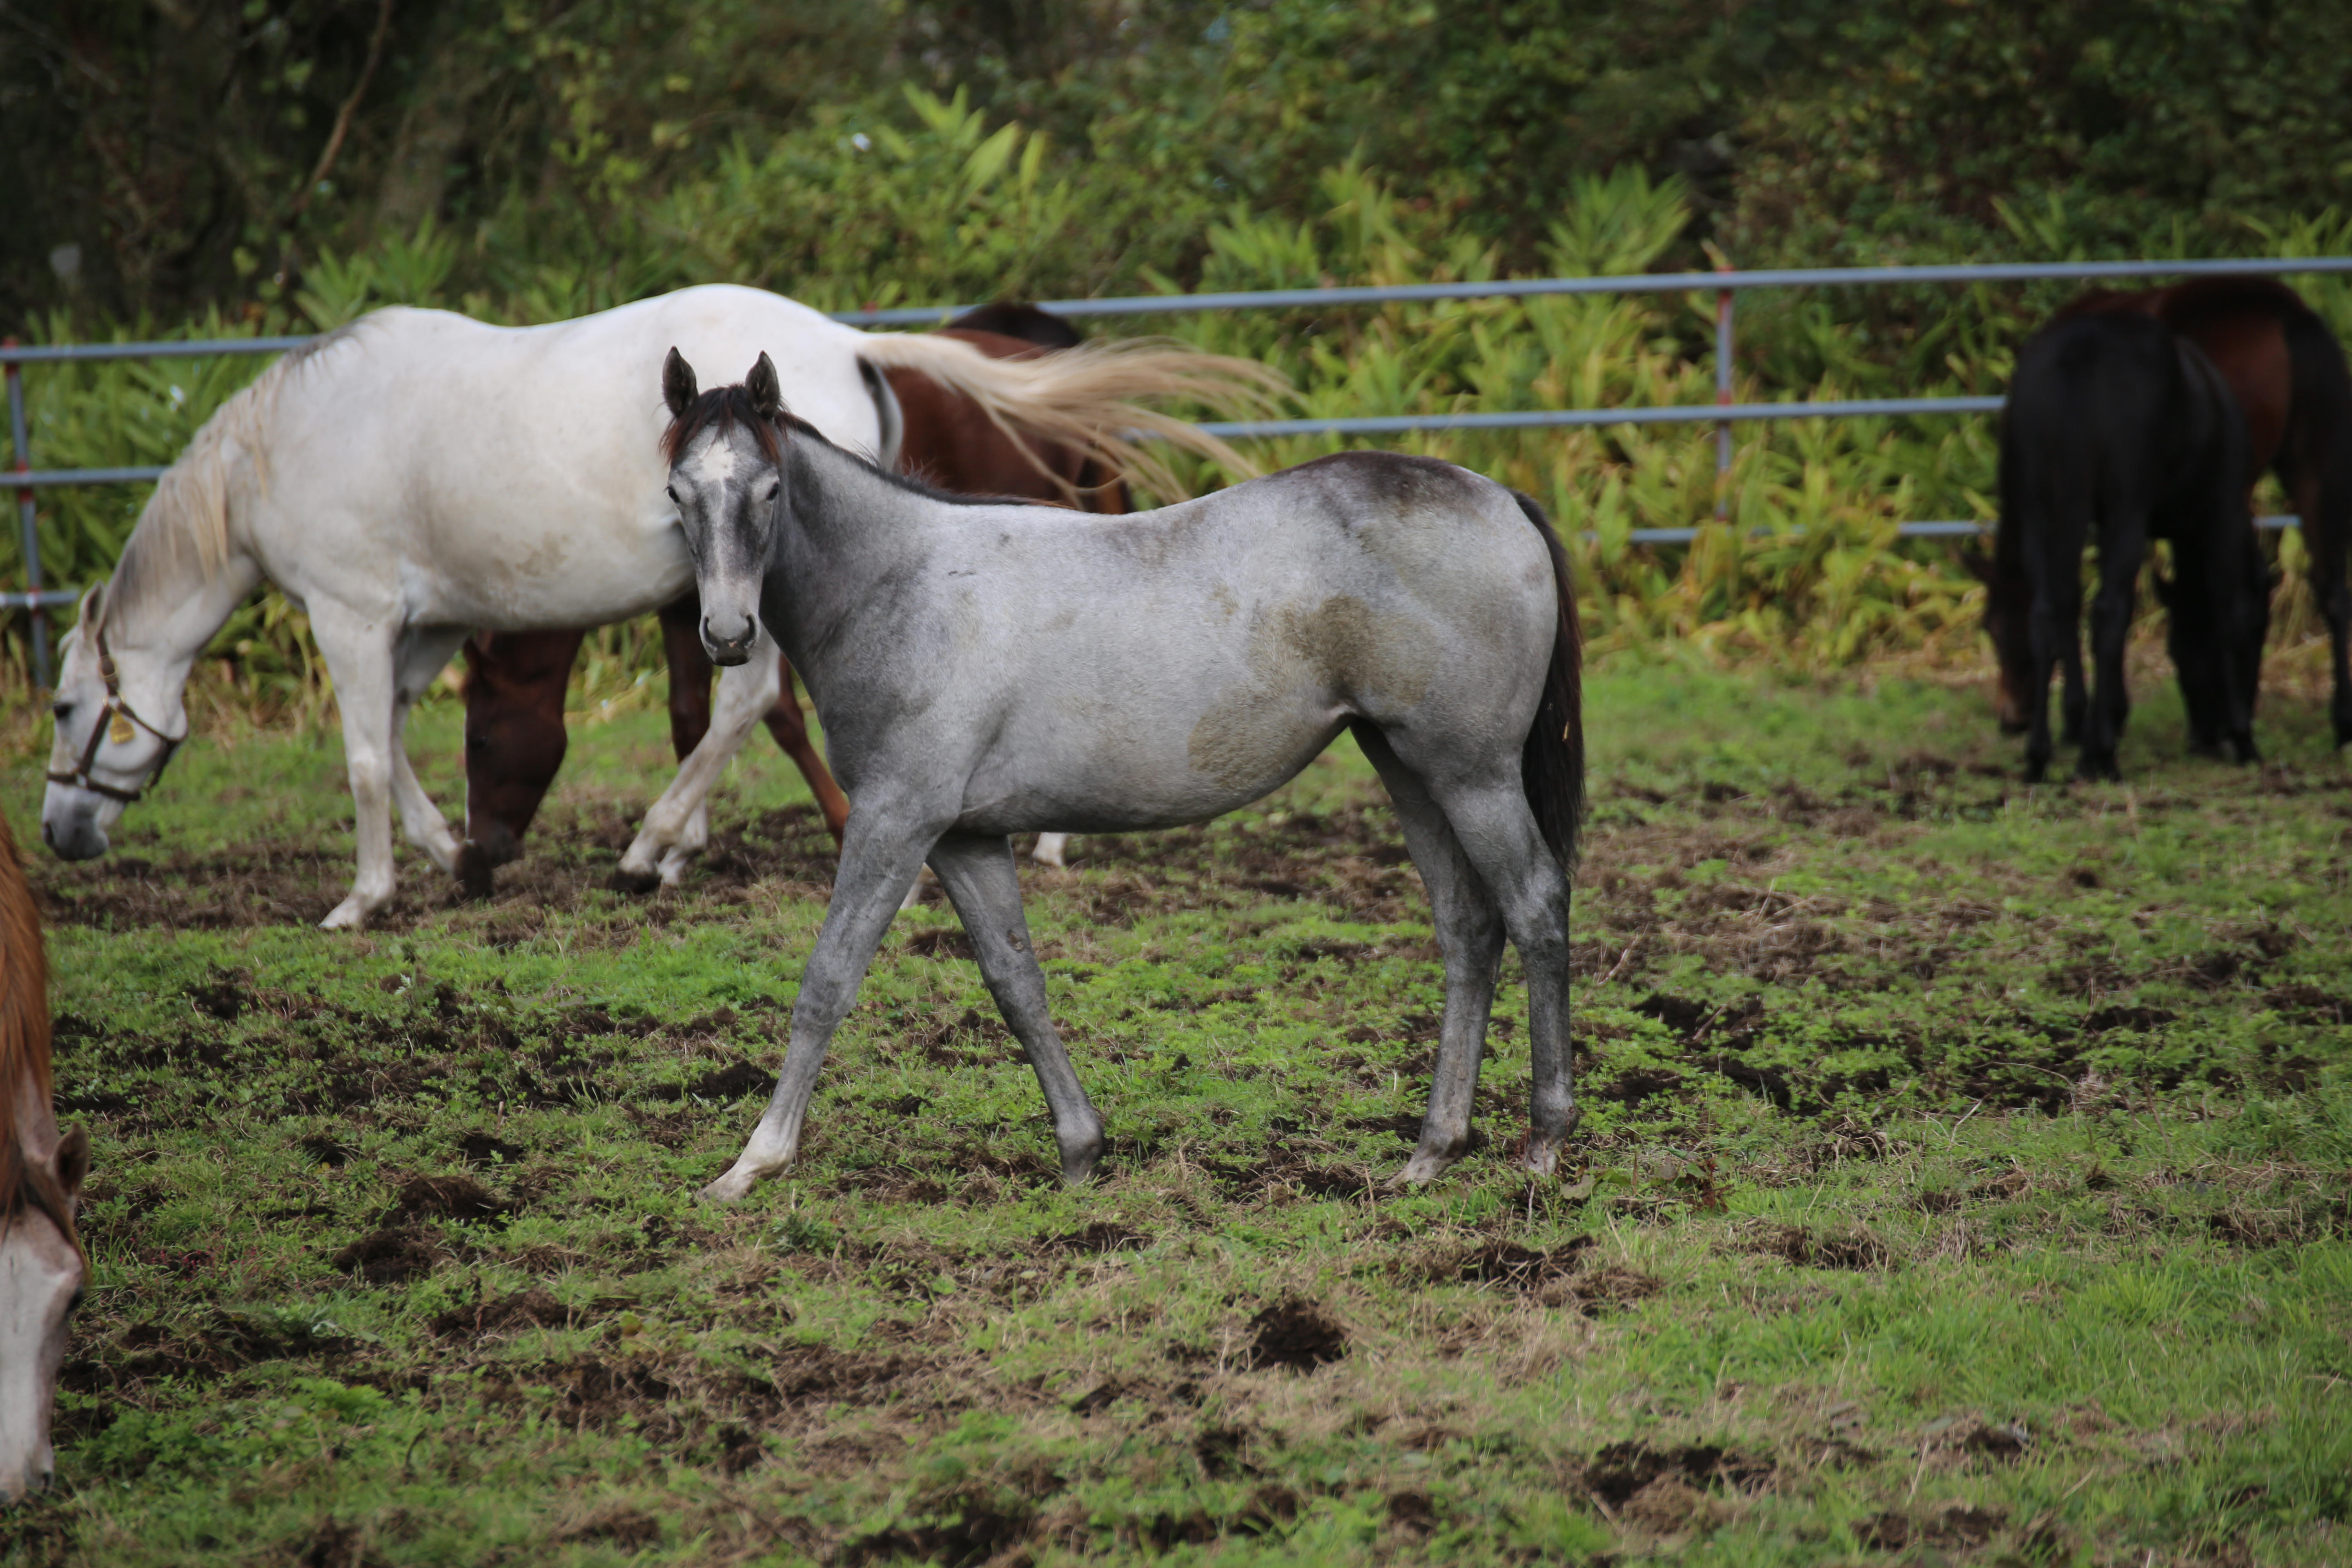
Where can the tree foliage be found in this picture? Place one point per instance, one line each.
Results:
(186, 152)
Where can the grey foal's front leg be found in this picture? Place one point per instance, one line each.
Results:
(981, 882)
(879, 861)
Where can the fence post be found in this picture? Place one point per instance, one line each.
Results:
(1722, 396)
(26, 521)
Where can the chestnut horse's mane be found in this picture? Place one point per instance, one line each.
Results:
(24, 1044)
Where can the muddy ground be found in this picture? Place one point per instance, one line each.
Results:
(1911, 1094)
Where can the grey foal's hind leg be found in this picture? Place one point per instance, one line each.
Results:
(981, 879)
(1499, 834)
(1470, 930)
(879, 859)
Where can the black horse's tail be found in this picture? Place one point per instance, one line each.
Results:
(2320, 425)
(1552, 763)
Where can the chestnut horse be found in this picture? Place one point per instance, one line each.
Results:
(42, 1267)
(2291, 380)
(516, 681)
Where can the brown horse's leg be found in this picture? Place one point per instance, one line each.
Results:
(514, 683)
(785, 723)
(2325, 547)
(690, 673)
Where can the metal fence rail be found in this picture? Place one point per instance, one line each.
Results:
(1723, 412)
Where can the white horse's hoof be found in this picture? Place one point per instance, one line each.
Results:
(673, 866)
(1049, 849)
(442, 848)
(348, 915)
(629, 878)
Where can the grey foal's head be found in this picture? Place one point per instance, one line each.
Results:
(726, 452)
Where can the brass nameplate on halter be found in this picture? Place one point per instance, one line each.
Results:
(120, 732)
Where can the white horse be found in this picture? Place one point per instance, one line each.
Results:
(417, 475)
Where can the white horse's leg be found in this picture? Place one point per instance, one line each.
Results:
(678, 826)
(879, 856)
(1049, 849)
(423, 656)
(1470, 933)
(358, 652)
(981, 879)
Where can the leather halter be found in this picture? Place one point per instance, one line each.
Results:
(115, 715)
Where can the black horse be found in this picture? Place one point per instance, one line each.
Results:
(2115, 423)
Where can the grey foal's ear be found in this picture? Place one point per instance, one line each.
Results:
(678, 384)
(767, 392)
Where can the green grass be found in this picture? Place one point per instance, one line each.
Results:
(1965, 1179)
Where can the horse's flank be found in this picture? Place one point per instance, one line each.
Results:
(190, 507)
(25, 1075)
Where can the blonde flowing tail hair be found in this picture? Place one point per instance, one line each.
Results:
(1087, 398)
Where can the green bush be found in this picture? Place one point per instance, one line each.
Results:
(933, 201)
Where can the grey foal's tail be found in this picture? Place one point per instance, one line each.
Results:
(1552, 763)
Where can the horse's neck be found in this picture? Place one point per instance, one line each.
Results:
(169, 624)
(850, 531)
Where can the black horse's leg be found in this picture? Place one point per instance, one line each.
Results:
(979, 875)
(2324, 540)
(1470, 935)
(2051, 633)
(2075, 698)
(2123, 546)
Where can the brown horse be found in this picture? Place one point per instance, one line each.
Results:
(2290, 377)
(42, 1267)
(516, 681)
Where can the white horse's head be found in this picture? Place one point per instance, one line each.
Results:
(116, 724)
(42, 1271)
(725, 475)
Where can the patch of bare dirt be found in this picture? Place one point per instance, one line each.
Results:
(1618, 1473)
(1296, 1336)
(531, 1309)
(563, 865)
(1851, 1248)
(447, 1197)
(1351, 859)
(966, 1528)
(392, 1255)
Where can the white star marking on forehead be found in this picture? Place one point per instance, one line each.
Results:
(716, 464)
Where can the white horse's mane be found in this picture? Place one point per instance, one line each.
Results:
(190, 507)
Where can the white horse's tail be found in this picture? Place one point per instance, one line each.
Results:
(1085, 396)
